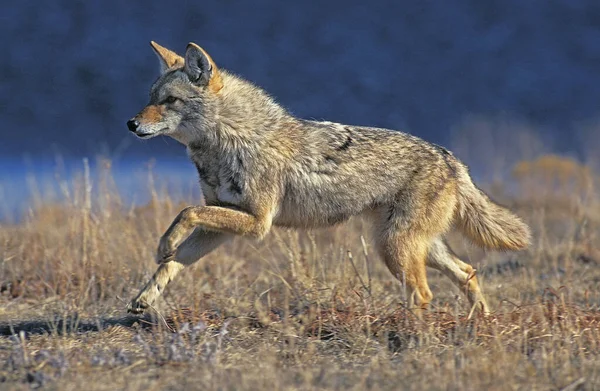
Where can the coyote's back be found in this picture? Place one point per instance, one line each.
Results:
(260, 166)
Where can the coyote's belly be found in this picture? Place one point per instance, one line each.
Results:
(318, 200)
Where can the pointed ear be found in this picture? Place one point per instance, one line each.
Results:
(201, 69)
(167, 58)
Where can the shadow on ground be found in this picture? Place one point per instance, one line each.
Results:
(72, 325)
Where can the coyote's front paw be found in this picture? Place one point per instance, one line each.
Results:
(165, 252)
(137, 306)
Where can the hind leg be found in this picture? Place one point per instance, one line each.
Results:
(441, 258)
(405, 255)
(408, 226)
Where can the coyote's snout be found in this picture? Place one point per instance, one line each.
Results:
(259, 166)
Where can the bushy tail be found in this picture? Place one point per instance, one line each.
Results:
(488, 224)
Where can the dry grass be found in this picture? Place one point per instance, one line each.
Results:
(303, 310)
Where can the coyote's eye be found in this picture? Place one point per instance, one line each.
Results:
(171, 99)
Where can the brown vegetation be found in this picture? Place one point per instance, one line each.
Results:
(302, 310)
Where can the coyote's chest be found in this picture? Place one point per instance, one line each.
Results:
(222, 181)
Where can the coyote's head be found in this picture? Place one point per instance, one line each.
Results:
(183, 99)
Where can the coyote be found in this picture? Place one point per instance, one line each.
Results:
(260, 166)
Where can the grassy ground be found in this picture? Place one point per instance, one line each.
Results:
(302, 310)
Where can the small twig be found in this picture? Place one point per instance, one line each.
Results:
(510, 302)
(356, 271)
(367, 261)
(575, 385)
(161, 318)
(473, 308)
(121, 299)
(130, 367)
(23, 347)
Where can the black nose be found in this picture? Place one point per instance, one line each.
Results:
(133, 125)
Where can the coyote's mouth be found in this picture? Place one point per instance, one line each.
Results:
(150, 134)
(144, 135)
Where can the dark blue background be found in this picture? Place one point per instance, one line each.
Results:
(72, 72)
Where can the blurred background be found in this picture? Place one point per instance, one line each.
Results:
(468, 74)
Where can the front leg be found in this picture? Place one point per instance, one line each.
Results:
(197, 245)
(214, 225)
(212, 218)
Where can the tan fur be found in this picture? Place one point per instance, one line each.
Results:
(260, 166)
(486, 223)
(152, 114)
(168, 58)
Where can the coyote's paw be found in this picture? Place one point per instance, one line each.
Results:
(137, 306)
(165, 252)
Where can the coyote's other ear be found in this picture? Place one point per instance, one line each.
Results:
(167, 58)
(201, 69)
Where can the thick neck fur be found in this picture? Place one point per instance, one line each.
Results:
(240, 114)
